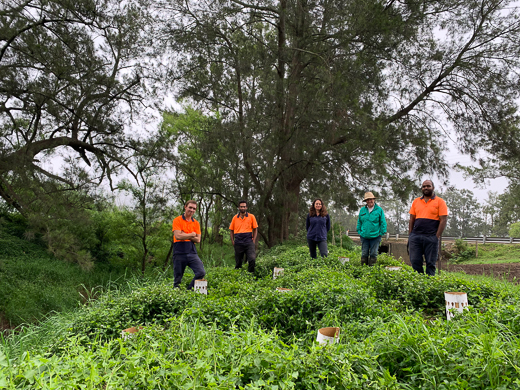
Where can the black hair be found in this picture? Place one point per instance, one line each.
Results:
(242, 201)
(431, 181)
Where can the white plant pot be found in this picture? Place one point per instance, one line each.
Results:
(328, 335)
(393, 268)
(281, 289)
(344, 259)
(201, 286)
(457, 301)
(277, 272)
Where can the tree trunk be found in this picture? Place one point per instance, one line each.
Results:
(165, 265)
(217, 222)
(282, 215)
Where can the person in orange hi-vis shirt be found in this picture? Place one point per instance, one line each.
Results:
(428, 218)
(244, 229)
(186, 233)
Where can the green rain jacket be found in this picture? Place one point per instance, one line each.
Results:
(371, 225)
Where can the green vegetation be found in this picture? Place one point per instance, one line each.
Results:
(514, 230)
(463, 251)
(246, 335)
(487, 253)
(33, 283)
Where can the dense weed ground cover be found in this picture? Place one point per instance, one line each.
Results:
(33, 283)
(246, 335)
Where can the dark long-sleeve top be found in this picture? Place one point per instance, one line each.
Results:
(317, 227)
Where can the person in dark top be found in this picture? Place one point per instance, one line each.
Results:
(243, 231)
(428, 218)
(317, 225)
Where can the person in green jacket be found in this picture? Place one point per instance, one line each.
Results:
(371, 226)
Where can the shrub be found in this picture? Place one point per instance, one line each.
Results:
(463, 251)
(514, 230)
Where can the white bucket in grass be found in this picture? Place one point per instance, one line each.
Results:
(201, 286)
(457, 301)
(344, 259)
(328, 335)
(281, 289)
(393, 268)
(277, 272)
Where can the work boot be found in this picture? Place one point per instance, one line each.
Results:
(364, 260)
(372, 261)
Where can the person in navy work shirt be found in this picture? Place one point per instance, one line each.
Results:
(317, 225)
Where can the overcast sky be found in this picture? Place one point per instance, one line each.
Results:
(457, 180)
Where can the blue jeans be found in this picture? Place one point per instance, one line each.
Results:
(369, 246)
(322, 246)
(419, 245)
(181, 261)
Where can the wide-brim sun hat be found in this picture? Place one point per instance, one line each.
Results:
(369, 195)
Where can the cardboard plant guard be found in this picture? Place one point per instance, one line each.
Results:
(277, 272)
(344, 260)
(328, 335)
(201, 286)
(457, 301)
(130, 332)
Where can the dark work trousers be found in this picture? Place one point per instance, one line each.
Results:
(369, 246)
(427, 245)
(249, 251)
(322, 246)
(181, 261)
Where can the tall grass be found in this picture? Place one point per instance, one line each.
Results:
(34, 284)
(216, 255)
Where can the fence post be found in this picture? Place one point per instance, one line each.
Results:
(387, 235)
(484, 240)
(439, 254)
